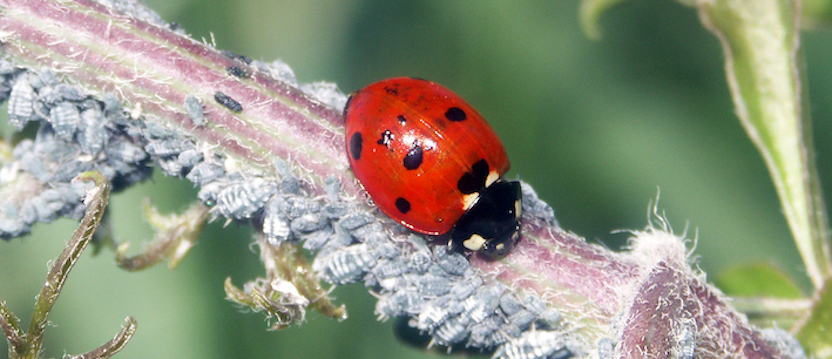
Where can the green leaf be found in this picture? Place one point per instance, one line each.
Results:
(589, 14)
(764, 67)
(758, 280)
(816, 13)
(816, 333)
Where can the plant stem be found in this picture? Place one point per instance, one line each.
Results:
(153, 70)
(11, 328)
(595, 291)
(97, 201)
(115, 345)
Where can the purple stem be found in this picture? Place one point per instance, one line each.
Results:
(153, 69)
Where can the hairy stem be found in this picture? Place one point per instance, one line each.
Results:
(59, 272)
(257, 118)
(154, 70)
(11, 328)
(113, 346)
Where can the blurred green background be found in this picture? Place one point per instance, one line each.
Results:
(596, 127)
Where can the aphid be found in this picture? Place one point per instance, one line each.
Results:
(522, 319)
(308, 222)
(12, 227)
(170, 167)
(419, 262)
(313, 241)
(346, 265)
(389, 268)
(6, 68)
(685, 346)
(452, 263)
(69, 170)
(453, 330)
(93, 136)
(125, 151)
(195, 111)
(392, 305)
(228, 102)
(112, 106)
(431, 285)
(537, 208)
(432, 315)
(510, 305)
(325, 92)
(294, 207)
(355, 220)
(190, 158)
(237, 57)
(204, 172)
(549, 318)
(466, 287)
(535, 344)
(155, 130)
(20, 103)
(483, 303)
(390, 251)
(242, 199)
(69, 93)
(167, 147)
(275, 226)
(65, 119)
(337, 210)
(237, 72)
(534, 304)
(486, 333)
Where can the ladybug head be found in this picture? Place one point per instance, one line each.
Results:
(492, 224)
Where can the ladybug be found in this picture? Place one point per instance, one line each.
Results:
(429, 160)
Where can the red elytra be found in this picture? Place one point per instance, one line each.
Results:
(421, 151)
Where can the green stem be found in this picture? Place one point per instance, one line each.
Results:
(113, 346)
(96, 202)
(11, 328)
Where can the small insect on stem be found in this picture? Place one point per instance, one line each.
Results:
(228, 102)
(237, 72)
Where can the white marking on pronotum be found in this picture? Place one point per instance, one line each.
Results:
(518, 208)
(492, 177)
(474, 243)
(469, 200)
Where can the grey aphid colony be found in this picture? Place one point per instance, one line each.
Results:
(440, 291)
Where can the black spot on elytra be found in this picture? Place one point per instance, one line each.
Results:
(455, 114)
(402, 205)
(356, 142)
(473, 181)
(402, 120)
(392, 89)
(386, 138)
(413, 159)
